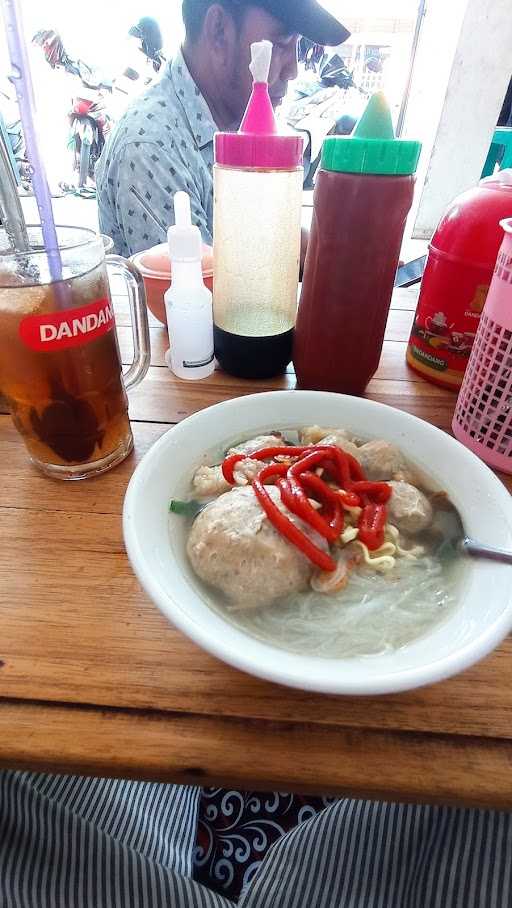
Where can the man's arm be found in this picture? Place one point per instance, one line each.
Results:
(147, 178)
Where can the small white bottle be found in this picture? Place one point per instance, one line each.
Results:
(188, 302)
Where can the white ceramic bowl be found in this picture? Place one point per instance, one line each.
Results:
(155, 543)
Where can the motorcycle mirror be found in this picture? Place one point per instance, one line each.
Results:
(131, 74)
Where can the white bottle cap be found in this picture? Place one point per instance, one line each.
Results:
(185, 242)
(261, 58)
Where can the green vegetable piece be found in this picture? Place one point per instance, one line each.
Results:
(185, 508)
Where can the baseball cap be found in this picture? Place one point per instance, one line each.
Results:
(306, 17)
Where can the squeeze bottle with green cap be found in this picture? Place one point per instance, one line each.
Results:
(363, 194)
(188, 302)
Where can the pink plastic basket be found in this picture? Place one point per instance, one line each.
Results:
(483, 415)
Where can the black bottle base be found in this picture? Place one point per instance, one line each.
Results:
(253, 357)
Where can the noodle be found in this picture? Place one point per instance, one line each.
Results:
(416, 552)
(374, 614)
(348, 535)
(380, 560)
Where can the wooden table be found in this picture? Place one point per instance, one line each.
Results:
(93, 679)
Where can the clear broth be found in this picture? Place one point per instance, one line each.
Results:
(375, 614)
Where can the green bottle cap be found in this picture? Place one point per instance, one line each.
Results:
(372, 147)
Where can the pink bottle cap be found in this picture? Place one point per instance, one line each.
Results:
(258, 144)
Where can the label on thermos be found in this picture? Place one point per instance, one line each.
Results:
(67, 329)
(451, 301)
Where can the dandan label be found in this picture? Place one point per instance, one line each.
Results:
(71, 328)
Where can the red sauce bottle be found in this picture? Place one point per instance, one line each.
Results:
(363, 194)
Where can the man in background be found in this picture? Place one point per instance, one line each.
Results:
(164, 143)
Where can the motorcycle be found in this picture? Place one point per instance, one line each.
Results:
(89, 121)
(327, 102)
(88, 118)
(89, 127)
(310, 54)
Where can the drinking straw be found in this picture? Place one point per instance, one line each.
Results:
(22, 81)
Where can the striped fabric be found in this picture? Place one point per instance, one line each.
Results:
(89, 843)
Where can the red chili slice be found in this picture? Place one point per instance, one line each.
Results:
(328, 497)
(349, 499)
(229, 465)
(332, 457)
(312, 459)
(295, 499)
(265, 454)
(355, 490)
(371, 526)
(379, 492)
(356, 470)
(288, 529)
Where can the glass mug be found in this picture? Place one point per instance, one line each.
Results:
(60, 368)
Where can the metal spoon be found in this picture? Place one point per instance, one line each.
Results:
(447, 521)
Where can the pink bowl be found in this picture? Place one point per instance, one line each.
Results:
(155, 267)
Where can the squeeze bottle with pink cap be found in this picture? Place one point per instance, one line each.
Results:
(258, 179)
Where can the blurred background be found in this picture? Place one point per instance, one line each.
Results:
(445, 67)
(98, 34)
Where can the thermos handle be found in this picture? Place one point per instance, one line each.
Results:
(139, 317)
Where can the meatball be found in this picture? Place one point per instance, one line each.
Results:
(339, 440)
(258, 444)
(382, 461)
(313, 435)
(409, 509)
(209, 482)
(234, 547)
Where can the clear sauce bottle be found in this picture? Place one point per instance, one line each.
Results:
(258, 179)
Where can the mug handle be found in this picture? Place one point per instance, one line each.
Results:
(139, 315)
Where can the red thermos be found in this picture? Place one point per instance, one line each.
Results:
(457, 277)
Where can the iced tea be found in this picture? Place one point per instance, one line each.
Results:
(60, 371)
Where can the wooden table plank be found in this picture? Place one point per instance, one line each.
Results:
(94, 679)
(406, 298)
(399, 325)
(122, 311)
(392, 365)
(24, 487)
(115, 649)
(192, 749)
(163, 398)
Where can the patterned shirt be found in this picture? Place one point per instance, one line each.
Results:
(162, 144)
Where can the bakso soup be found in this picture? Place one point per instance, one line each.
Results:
(327, 545)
